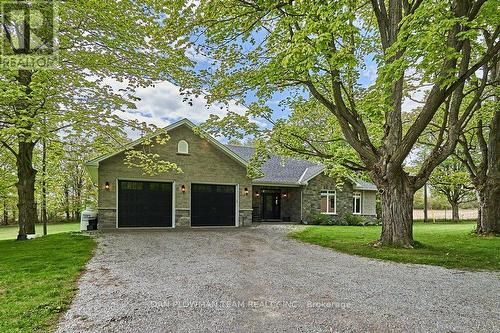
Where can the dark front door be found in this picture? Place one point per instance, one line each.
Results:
(213, 205)
(271, 205)
(144, 204)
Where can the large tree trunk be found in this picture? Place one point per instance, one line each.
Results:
(26, 190)
(488, 186)
(488, 213)
(397, 211)
(454, 209)
(491, 220)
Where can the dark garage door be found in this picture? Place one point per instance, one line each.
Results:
(213, 205)
(144, 204)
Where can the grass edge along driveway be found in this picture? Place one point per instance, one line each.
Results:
(38, 279)
(11, 231)
(447, 245)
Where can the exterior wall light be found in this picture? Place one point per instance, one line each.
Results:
(257, 194)
(285, 195)
(107, 186)
(183, 189)
(246, 190)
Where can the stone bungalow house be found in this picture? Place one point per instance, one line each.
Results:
(214, 189)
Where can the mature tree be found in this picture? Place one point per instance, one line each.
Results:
(100, 42)
(451, 179)
(479, 150)
(318, 49)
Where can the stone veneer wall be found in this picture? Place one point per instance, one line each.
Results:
(311, 198)
(205, 163)
(290, 205)
(106, 218)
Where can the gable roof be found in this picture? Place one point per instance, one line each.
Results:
(277, 170)
(93, 165)
(170, 127)
(280, 170)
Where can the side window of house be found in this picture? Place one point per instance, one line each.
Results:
(328, 202)
(182, 147)
(356, 203)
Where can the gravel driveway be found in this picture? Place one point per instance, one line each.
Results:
(256, 280)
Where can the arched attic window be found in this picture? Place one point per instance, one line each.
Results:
(182, 147)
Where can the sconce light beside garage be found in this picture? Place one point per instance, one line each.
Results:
(285, 195)
(107, 186)
(257, 194)
(183, 189)
(245, 191)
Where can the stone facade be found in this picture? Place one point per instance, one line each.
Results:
(107, 218)
(205, 163)
(245, 218)
(208, 163)
(311, 199)
(290, 202)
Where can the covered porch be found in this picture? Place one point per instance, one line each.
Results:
(271, 203)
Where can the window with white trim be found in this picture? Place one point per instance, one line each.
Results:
(328, 202)
(182, 147)
(356, 202)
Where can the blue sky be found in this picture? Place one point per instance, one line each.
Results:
(162, 104)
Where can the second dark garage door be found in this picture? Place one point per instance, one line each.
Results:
(213, 205)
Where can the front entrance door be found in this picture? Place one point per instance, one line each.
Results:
(271, 205)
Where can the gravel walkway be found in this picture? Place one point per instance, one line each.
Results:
(256, 280)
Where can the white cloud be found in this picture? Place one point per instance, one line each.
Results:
(162, 104)
(369, 73)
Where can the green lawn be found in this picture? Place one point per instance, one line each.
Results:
(10, 232)
(448, 245)
(38, 279)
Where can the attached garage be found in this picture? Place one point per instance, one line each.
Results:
(144, 204)
(213, 205)
(207, 185)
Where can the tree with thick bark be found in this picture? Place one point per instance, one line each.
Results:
(255, 52)
(479, 150)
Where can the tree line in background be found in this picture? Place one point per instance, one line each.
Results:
(309, 55)
(62, 188)
(45, 114)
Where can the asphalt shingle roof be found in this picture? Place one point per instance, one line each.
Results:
(279, 170)
(285, 170)
(364, 185)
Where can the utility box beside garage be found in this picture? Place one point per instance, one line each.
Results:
(212, 190)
